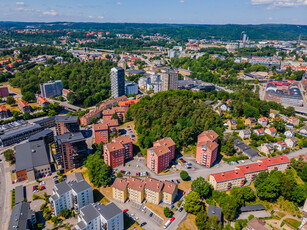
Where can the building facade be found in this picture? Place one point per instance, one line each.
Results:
(131, 88)
(71, 150)
(74, 194)
(117, 82)
(66, 124)
(169, 80)
(24, 106)
(51, 89)
(207, 148)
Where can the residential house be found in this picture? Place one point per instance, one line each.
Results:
(251, 121)
(4, 112)
(293, 120)
(267, 148)
(42, 101)
(280, 145)
(215, 211)
(256, 224)
(274, 113)
(291, 142)
(24, 106)
(271, 131)
(224, 107)
(219, 112)
(245, 134)
(259, 132)
(289, 133)
(245, 149)
(303, 131)
(232, 124)
(74, 194)
(4, 92)
(263, 121)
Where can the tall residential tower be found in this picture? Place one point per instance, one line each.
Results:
(169, 80)
(117, 82)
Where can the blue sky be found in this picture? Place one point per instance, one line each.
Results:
(157, 11)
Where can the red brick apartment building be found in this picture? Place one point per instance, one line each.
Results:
(24, 106)
(207, 148)
(103, 130)
(119, 111)
(119, 150)
(245, 174)
(4, 92)
(86, 119)
(160, 155)
(42, 101)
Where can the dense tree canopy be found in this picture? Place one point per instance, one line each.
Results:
(89, 80)
(181, 115)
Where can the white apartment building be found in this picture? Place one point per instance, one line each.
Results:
(100, 217)
(71, 195)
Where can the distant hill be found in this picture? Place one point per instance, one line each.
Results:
(180, 31)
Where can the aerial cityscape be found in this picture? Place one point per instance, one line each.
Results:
(188, 115)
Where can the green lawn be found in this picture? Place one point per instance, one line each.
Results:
(292, 222)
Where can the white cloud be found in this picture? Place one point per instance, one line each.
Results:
(50, 13)
(270, 18)
(20, 3)
(280, 3)
(119, 3)
(90, 16)
(100, 17)
(181, 1)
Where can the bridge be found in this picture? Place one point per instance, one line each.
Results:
(67, 106)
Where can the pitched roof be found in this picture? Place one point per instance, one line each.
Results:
(136, 183)
(209, 134)
(166, 141)
(213, 210)
(209, 144)
(255, 223)
(120, 184)
(113, 146)
(272, 129)
(255, 167)
(22, 103)
(20, 215)
(125, 139)
(251, 208)
(275, 160)
(229, 175)
(100, 126)
(153, 184)
(2, 108)
(42, 100)
(160, 150)
(169, 187)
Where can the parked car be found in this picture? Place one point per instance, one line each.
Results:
(172, 219)
(126, 210)
(55, 178)
(56, 181)
(42, 183)
(150, 215)
(64, 177)
(43, 187)
(35, 187)
(180, 209)
(133, 140)
(178, 181)
(142, 224)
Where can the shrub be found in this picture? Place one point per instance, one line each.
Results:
(184, 175)
(167, 212)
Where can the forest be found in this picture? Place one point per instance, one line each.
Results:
(181, 115)
(125, 44)
(90, 81)
(176, 31)
(264, 52)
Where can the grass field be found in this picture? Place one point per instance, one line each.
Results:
(188, 224)
(185, 185)
(292, 222)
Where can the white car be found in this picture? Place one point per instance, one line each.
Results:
(42, 183)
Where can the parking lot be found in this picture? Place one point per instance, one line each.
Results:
(48, 183)
(137, 165)
(127, 130)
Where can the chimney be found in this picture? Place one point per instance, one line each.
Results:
(223, 174)
(236, 172)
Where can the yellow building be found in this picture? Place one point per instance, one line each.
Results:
(169, 192)
(120, 189)
(153, 190)
(136, 191)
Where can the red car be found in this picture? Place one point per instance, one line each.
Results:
(133, 140)
(35, 187)
(183, 193)
(126, 210)
(172, 219)
(43, 187)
